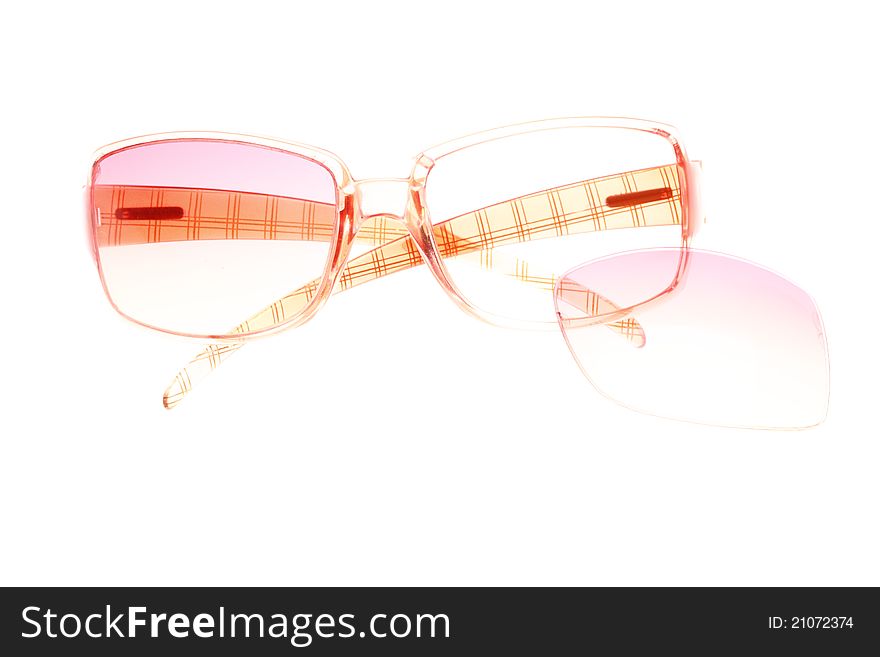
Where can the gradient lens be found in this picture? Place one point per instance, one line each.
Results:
(732, 344)
(512, 214)
(196, 235)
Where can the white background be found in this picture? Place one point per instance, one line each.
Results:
(395, 440)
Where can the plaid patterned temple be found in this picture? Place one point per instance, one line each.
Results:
(136, 215)
(147, 215)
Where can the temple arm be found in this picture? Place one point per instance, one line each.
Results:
(648, 197)
(592, 303)
(147, 215)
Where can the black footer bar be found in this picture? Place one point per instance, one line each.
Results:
(432, 621)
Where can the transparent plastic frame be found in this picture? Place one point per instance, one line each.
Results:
(415, 237)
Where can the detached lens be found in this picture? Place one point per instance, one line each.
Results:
(732, 344)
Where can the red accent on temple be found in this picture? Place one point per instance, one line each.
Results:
(638, 198)
(170, 212)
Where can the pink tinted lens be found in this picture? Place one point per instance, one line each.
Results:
(196, 235)
(732, 344)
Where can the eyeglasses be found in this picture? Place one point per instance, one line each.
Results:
(225, 237)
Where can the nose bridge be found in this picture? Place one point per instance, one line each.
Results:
(383, 197)
(400, 200)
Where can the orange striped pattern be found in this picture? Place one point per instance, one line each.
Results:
(203, 214)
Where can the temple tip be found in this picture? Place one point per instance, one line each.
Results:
(630, 329)
(587, 305)
(174, 393)
(198, 368)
